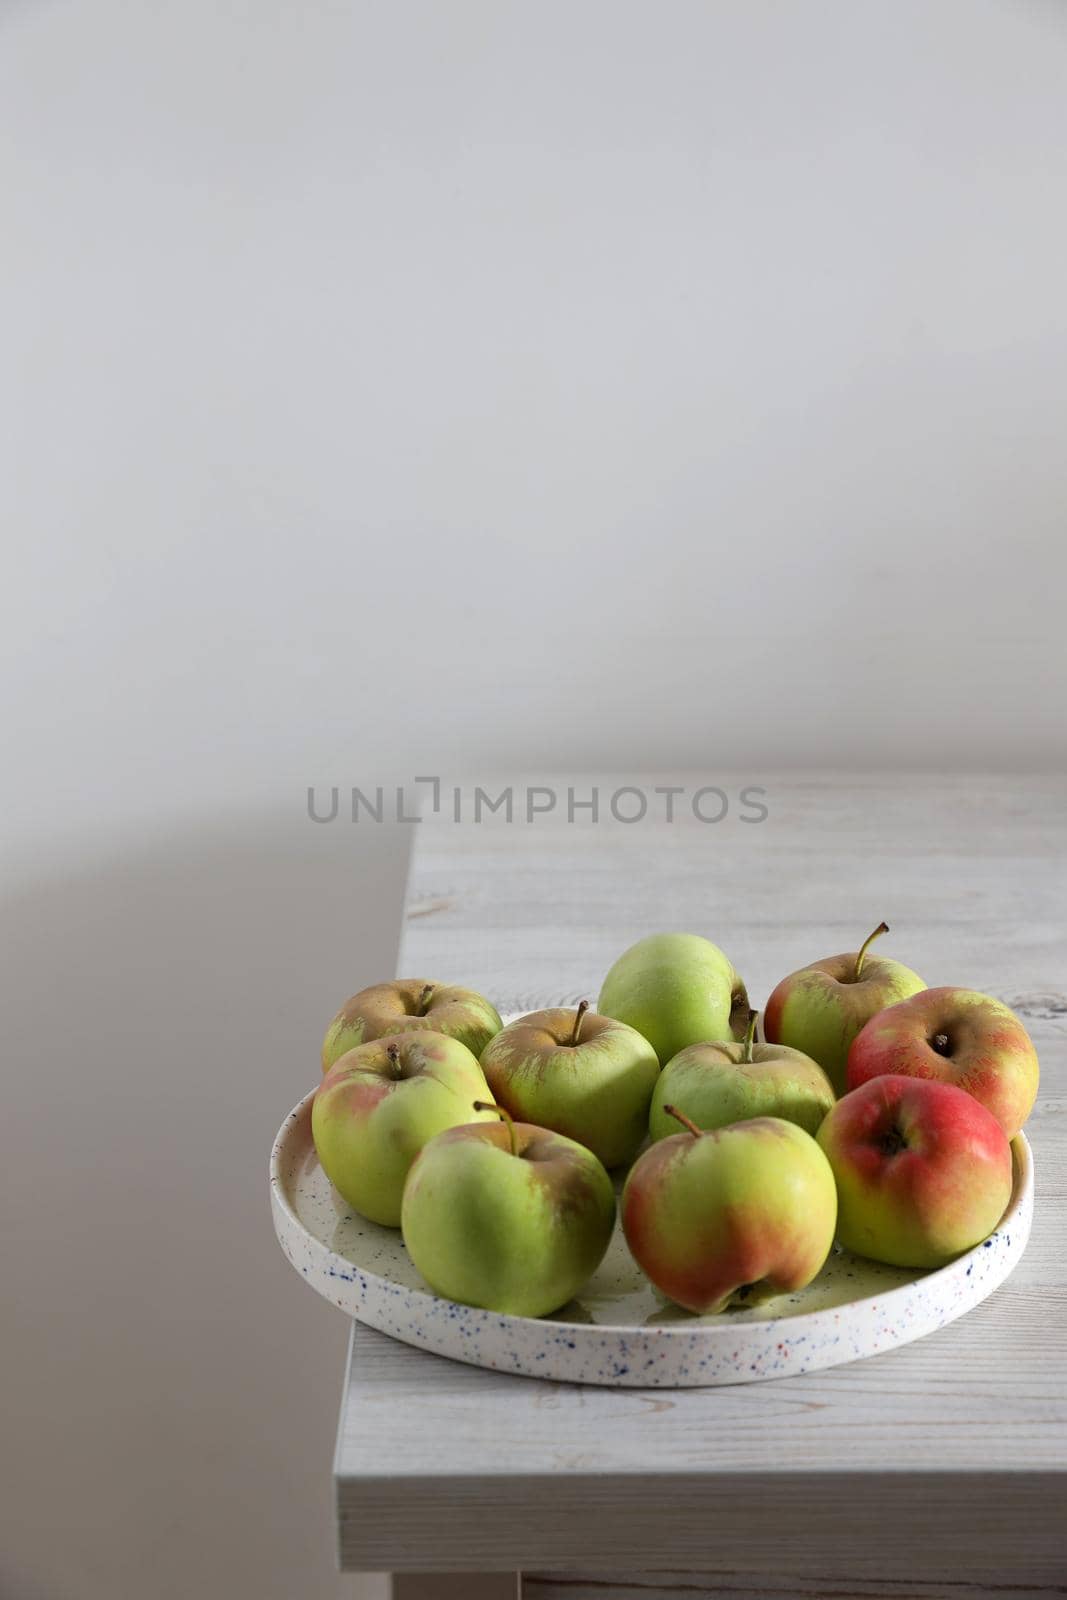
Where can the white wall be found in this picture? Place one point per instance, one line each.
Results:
(168, 1388)
(406, 384)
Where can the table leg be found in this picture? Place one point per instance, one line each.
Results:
(456, 1586)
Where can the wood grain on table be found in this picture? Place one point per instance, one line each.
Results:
(936, 1469)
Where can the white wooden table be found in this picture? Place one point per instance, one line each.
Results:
(934, 1470)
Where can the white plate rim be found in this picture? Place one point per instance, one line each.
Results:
(605, 1352)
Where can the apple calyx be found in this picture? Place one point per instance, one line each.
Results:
(687, 1123)
(505, 1116)
(423, 1002)
(393, 1052)
(941, 1043)
(883, 927)
(583, 1007)
(892, 1141)
(750, 1038)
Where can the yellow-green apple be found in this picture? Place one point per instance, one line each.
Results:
(955, 1036)
(821, 1008)
(716, 1084)
(507, 1216)
(923, 1171)
(675, 989)
(380, 1103)
(586, 1076)
(730, 1214)
(408, 1005)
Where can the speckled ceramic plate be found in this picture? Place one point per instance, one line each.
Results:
(620, 1331)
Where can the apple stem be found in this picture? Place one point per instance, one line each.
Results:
(750, 1036)
(424, 999)
(680, 1116)
(883, 927)
(583, 1007)
(393, 1052)
(505, 1116)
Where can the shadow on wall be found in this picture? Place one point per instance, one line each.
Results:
(170, 1390)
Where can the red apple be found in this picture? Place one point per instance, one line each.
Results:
(820, 1009)
(923, 1171)
(954, 1036)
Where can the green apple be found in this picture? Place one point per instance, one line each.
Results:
(585, 1076)
(410, 1004)
(822, 1008)
(380, 1103)
(731, 1215)
(716, 1084)
(676, 989)
(511, 1218)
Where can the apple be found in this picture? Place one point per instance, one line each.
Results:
(675, 989)
(586, 1076)
(410, 1004)
(716, 1084)
(955, 1036)
(508, 1217)
(380, 1103)
(730, 1215)
(923, 1171)
(821, 1008)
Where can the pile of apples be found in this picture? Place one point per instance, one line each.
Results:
(875, 1111)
